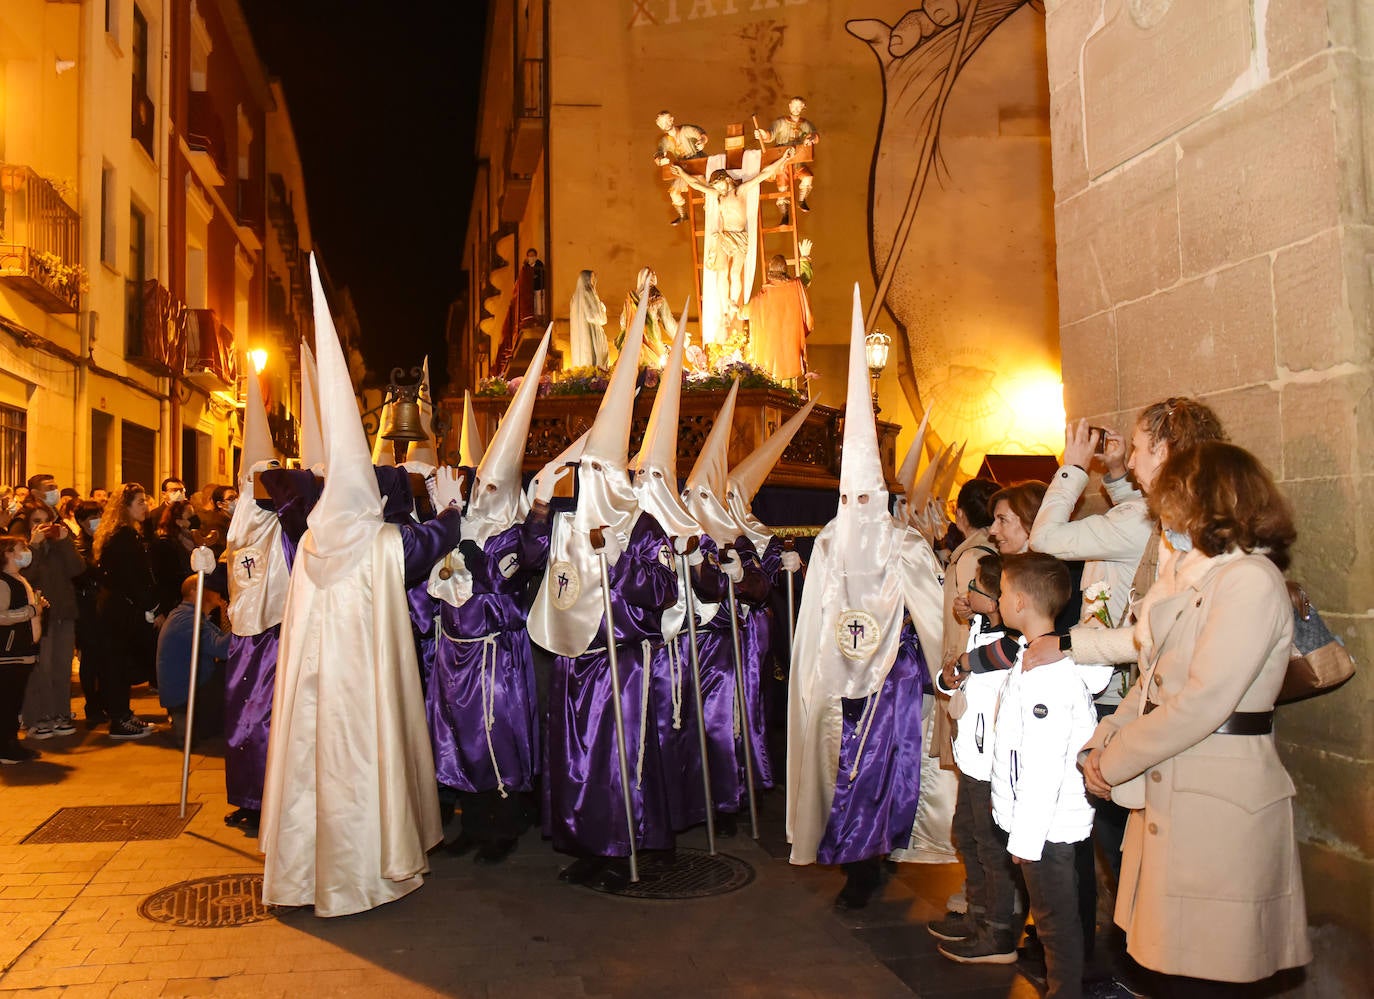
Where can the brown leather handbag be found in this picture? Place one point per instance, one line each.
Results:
(1319, 661)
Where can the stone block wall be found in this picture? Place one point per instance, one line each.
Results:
(1214, 209)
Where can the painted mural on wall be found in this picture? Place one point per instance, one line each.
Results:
(921, 56)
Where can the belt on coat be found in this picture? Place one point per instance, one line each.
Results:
(1240, 722)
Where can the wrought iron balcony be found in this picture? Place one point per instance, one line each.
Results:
(210, 357)
(155, 325)
(39, 241)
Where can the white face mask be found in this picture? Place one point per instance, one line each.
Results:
(176, 495)
(51, 497)
(93, 524)
(230, 507)
(24, 559)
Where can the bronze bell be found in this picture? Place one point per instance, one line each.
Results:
(406, 424)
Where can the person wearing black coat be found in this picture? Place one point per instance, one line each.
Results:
(127, 606)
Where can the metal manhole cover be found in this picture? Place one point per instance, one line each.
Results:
(225, 900)
(112, 824)
(691, 874)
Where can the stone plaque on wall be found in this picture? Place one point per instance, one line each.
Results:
(1154, 67)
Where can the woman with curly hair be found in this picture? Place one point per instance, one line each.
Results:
(1211, 892)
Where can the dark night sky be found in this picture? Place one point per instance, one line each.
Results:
(384, 99)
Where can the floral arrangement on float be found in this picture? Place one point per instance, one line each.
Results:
(698, 376)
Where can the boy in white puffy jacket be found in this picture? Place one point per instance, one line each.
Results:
(1043, 719)
(985, 934)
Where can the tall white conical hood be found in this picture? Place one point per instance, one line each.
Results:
(257, 439)
(312, 440)
(749, 475)
(945, 484)
(861, 464)
(470, 448)
(258, 573)
(383, 449)
(656, 464)
(709, 478)
(349, 512)
(906, 474)
(497, 500)
(605, 496)
(425, 452)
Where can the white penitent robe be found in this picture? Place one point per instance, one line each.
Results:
(894, 572)
(258, 574)
(349, 808)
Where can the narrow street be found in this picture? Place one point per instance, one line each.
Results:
(70, 922)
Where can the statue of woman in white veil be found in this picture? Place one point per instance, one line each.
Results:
(587, 324)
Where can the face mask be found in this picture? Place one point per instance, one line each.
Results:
(176, 496)
(93, 524)
(230, 507)
(1179, 541)
(51, 497)
(24, 559)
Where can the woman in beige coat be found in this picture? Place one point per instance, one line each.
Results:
(1210, 884)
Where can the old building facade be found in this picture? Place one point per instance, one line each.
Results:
(136, 147)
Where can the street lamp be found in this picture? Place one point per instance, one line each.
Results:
(258, 355)
(877, 344)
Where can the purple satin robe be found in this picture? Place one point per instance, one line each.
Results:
(680, 750)
(480, 701)
(873, 810)
(249, 680)
(424, 545)
(584, 810)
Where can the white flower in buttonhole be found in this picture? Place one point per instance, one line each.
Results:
(1096, 596)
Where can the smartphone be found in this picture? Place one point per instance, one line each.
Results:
(1101, 439)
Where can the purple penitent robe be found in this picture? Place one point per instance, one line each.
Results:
(584, 810)
(675, 705)
(480, 700)
(879, 778)
(252, 662)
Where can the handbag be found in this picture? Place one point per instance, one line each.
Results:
(1319, 661)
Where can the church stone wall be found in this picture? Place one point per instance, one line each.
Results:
(1214, 177)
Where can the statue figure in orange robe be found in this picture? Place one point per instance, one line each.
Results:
(780, 317)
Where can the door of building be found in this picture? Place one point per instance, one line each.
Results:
(138, 456)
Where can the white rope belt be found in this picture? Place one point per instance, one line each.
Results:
(865, 726)
(487, 683)
(675, 678)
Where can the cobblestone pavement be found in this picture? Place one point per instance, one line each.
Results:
(69, 920)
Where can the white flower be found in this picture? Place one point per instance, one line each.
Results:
(1098, 591)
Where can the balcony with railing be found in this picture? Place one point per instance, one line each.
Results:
(40, 239)
(154, 329)
(527, 131)
(210, 356)
(205, 139)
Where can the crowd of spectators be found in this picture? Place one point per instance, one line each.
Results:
(95, 580)
(1158, 633)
